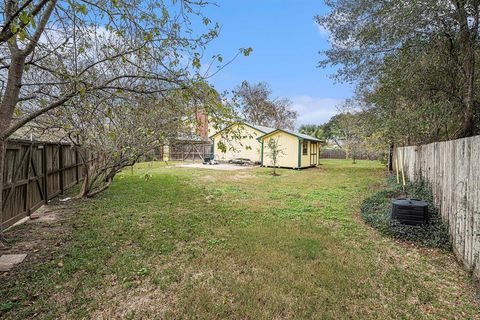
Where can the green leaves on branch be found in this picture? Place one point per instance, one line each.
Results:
(196, 62)
(82, 8)
(246, 51)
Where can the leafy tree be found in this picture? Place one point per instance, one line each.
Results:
(332, 132)
(65, 54)
(415, 102)
(328, 131)
(115, 132)
(114, 139)
(274, 152)
(312, 130)
(349, 126)
(257, 106)
(412, 60)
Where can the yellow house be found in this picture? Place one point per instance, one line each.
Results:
(239, 140)
(298, 150)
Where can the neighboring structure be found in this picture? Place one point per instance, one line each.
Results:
(299, 150)
(193, 144)
(186, 147)
(249, 141)
(239, 140)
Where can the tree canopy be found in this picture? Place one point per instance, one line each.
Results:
(414, 63)
(256, 105)
(107, 74)
(329, 132)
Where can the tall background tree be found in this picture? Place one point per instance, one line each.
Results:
(258, 107)
(414, 63)
(313, 130)
(329, 131)
(351, 131)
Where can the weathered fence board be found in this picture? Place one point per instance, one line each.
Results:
(188, 151)
(453, 170)
(341, 154)
(34, 173)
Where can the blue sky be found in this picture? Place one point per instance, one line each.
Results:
(286, 44)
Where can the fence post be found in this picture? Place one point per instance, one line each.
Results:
(45, 173)
(77, 165)
(26, 207)
(390, 158)
(62, 168)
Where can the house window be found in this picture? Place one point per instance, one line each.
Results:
(305, 148)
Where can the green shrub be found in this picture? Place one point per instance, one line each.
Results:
(376, 212)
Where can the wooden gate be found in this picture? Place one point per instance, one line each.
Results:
(189, 151)
(34, 173)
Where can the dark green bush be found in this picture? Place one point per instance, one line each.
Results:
(376, 212)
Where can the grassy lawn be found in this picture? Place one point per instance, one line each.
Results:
(208, 244)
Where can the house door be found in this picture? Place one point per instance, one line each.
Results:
(313, 153)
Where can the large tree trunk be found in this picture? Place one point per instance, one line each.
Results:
(7, 105)
(12, 92)
(468, 38)
(468, 126)
(390, 158)
(84, 189)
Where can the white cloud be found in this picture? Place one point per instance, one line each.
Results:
(313, 110)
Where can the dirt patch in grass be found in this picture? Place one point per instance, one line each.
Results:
(243, 176)
(208, 178)
(40, 237)
(43, 240)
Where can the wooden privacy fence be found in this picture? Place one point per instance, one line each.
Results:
(35, 172)
(453, 170)
(341, 154)
(182, 152)
(333, 154)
